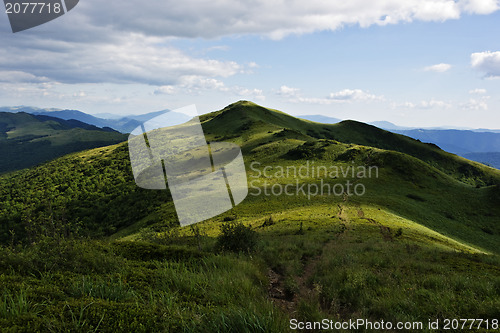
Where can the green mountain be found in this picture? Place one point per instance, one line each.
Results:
(238, 118)
(420, 241)
(27, 140)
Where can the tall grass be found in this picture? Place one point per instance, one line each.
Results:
(113, 289)
(17, 304)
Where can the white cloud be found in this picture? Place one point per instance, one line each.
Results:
(288, 91)
(487, 62)
(80, 94)
(165, 90)
(131, 58)
(434, 104)
(196, 84)
(209, 19)
(20, 77)
(439, 68)
(311, 100)
(406, 105)
(430, 104)
(201, 83)
(437, 10)
(477, 91)
(192, 84)
(475, 104)
(343, 96)
(28, 90)
(347, 95)
(246, 93)
(126, 42)
(480, 6)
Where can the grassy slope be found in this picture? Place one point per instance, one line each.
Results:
(412, 248)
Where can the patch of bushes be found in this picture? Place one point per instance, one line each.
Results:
(268, 221)
(148, 251)
(236, 237)
(415, 197)
(306, 151)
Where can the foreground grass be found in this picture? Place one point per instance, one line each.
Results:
(341, 267)
(132, 287)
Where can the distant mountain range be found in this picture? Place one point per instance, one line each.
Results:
(480, 145)
(29, 139)
(391, 126)
(119, 123)
(489, 158)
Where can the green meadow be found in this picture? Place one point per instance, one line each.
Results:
(85, 250)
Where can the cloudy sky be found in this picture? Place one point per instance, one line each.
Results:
(412, 62)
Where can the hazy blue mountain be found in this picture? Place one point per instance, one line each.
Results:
(491, 159)
(321, 119)
(458, 141)
(481, 145)
(73, 123)
(389, 126)
(331, 120)
(485, 130)
(108, 116)
(27, 109)
(147, 116)
(124, 124)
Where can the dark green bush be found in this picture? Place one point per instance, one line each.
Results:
(144, 251)
(236, 237)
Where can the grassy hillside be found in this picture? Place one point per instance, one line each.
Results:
(27, 140)
(421, 243)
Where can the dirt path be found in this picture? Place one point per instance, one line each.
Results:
(384, 230)
(289, 303)
(277, 294)
(307, 290)
(276, 288)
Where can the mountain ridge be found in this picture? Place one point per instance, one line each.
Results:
(241, 115)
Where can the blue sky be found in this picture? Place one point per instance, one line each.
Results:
(418, 63)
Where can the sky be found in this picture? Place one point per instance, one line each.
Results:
(419, 63)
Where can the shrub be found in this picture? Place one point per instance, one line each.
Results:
(268, 221)
(143, 251)
(236, 237)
